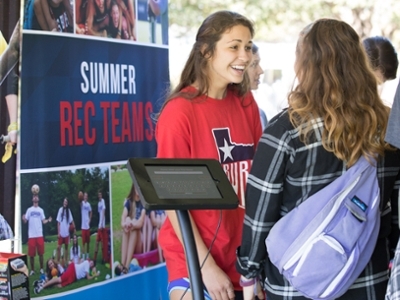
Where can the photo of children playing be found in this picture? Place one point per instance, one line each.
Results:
(135, 230)
(65, 232)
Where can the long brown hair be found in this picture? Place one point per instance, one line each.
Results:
(195, 69)
(337, 84)
(382, 56)
(131, 197)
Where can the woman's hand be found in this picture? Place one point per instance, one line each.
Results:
(218, 284)
(249, 292)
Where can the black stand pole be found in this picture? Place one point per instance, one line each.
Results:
(192, 258)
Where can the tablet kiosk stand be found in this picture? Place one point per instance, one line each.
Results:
(192, 258)
(226, 199)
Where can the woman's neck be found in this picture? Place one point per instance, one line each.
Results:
(214, 92)
(217, 93)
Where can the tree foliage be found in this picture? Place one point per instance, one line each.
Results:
(281, 21)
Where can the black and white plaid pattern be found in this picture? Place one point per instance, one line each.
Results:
(393, 288)
(5, 229)
(285, 173)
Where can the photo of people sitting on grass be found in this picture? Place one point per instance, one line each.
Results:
(135, 229)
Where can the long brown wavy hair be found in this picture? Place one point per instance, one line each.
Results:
(196, 67)
(131, 197)
(337, 84)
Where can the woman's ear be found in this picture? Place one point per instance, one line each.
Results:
(379, 75)
(204, 52)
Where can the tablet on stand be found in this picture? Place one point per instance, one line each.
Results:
(182, 185)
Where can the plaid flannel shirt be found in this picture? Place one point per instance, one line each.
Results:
(5, 229)
(393, 288)
(285, 173)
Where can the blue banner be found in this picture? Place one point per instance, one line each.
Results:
(88, 101)
(93, 74)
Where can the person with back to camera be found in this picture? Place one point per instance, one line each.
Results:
(211, 114)
(392, 137)
(382, 56)
(335, 116)
(255, 71)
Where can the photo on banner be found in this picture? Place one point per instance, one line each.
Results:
(86, 107)
(134, 229)
(66, 221)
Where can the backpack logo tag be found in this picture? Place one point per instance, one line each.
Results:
(359, 203)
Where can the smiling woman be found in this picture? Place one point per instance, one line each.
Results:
(211, 114)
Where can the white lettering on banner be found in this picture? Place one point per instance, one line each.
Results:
(237, 173)
(104, 78)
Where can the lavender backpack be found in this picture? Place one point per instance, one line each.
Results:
(324, 244)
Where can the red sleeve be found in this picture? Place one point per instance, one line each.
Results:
(255, 120)
(173, 132)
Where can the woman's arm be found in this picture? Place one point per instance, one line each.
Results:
(123, 217)
(153, 218)
(216, 280)
(138, 223)
(264, 192)
(42, 12)
(71, 253)
(68, 9)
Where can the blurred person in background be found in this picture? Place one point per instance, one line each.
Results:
(382, 56)
(255, 71)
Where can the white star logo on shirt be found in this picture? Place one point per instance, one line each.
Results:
(227, 150)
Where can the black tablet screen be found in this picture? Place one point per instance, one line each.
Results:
(179, 182)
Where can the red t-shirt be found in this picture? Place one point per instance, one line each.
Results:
(224, 129)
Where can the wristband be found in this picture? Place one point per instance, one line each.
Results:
(248, 282)
(13, 126)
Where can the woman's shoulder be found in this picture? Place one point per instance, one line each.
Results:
(282, 120)
(177, 105)
(391, 160)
